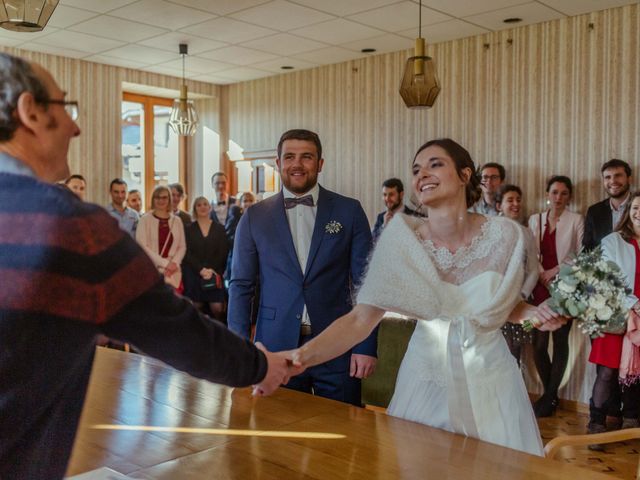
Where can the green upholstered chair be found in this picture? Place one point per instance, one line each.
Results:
(393, 338)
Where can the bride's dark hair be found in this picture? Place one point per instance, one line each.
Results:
(462, 160)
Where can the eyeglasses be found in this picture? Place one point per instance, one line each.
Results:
(71, 107)
(486, 178)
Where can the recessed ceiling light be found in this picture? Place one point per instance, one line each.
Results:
(286, 67)
(368, 50)
(512, 20)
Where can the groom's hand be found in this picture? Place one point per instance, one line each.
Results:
(362, 365)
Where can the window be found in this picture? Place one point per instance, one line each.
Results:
(145, 122)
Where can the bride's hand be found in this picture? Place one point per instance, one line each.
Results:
(547, 319)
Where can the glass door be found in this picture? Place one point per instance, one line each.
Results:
(145, 122)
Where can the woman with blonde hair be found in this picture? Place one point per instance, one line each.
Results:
(161, 235)
(205, 260)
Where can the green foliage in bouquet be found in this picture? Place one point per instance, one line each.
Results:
(592, 290)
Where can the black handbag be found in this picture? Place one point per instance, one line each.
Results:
(212, 283)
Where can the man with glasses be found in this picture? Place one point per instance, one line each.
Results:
(492, 175)
(67, 272)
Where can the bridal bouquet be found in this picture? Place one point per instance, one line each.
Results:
(592, 290)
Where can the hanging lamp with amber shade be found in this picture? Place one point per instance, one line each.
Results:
(26, 15)
(420, 86)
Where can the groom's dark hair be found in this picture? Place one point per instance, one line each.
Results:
(301, 134)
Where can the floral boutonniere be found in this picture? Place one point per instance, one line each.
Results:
(333, 227)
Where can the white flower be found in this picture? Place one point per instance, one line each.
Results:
(333, 227)
(604, 313)
(580, 276)
(566, 287)
(597, 302)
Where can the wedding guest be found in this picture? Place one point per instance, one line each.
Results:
(600, 221)
(235, 212)
(245, 200)
(612, 352)
(393, 197)
(602, 217)
(134, 201)
(222, 202)
(77, 184)
(491, 177)
(161, 235)
(177, 197)
(558, 234)
(509, 205)
(127, 217)
(205, 260)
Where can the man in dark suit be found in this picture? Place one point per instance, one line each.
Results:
(308, 247)
(393, 196)
(603, 216)
(177, 197)
(221, 204)
(601, 219)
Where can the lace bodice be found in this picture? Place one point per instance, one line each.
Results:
(412, 278)
(484, 253)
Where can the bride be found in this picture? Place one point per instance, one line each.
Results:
(461, 273)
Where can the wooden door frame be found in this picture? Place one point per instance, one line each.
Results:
(148, 103)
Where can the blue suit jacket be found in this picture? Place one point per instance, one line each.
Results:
(264, 249)
(377, 227)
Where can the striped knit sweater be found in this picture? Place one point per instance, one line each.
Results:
(67, 273)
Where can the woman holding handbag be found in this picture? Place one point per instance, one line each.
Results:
(161, 235)
(205, 260)
(558, 235)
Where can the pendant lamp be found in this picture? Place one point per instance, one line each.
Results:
(26, 15)
(420, 86)
(183, 119)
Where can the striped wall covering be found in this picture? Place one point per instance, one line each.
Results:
(557, 97)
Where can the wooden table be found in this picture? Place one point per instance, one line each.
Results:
(210, 431)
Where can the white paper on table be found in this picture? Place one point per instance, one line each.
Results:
(103, 473)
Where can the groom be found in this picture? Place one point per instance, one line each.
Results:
(308, 247)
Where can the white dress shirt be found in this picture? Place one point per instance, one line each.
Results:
(302, 220)
(616, 213)
(222, 210)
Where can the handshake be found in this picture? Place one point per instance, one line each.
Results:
(281, 367)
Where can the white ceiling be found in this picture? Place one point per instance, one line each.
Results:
(237, 40)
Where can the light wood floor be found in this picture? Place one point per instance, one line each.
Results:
(620, 460)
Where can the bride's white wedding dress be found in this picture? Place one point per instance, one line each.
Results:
(457, 374)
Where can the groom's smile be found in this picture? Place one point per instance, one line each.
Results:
(299, 165)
